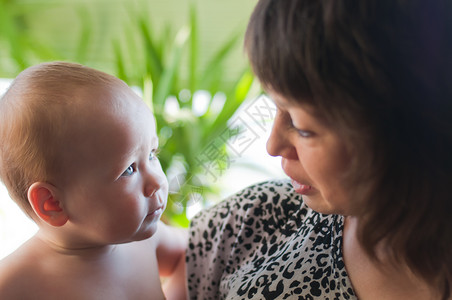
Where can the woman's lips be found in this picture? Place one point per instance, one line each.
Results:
(302, 189)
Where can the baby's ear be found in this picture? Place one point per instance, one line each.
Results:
(43, 198)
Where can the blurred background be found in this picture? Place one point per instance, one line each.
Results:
(185, 58)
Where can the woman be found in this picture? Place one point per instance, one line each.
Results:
(364, 129)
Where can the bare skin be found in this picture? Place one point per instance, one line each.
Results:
(99, 231)
(112, 272)
(379, 281)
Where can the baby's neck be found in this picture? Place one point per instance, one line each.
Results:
(64, 248)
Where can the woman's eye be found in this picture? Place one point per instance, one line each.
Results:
(129, 171)
(305, 133)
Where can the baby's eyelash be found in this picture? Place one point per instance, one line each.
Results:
(129, 171)
(154, 153)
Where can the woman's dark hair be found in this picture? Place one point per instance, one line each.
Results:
(381, 72)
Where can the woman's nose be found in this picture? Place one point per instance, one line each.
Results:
(279, 142)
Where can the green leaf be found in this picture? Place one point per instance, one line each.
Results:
(148, 91)
(120, 64)
(194, 50)
(178, 220)
(154, 61)
(85, 35)
(218, 59)
(165, 85)
(233, 101)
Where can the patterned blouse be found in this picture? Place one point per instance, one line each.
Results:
(265, 243)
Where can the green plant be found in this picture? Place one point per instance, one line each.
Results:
(193, 145)
(20, 45)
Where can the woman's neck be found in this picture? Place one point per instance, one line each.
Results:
(379, 278)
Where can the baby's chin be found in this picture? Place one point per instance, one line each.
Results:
(148, 228)
(147, 232)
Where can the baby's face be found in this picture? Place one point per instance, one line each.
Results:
(117, 190)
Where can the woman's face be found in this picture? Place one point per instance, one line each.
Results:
(313, 156)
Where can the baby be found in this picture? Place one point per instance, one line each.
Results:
(78, 155)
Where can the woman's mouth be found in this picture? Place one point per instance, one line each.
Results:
(302, 189)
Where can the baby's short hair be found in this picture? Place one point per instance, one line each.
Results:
(32, 122)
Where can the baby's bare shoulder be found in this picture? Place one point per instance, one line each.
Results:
(18, 275)
(33, 273)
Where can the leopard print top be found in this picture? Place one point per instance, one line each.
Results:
(265, 243)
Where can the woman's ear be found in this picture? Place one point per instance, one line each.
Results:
(43, 198)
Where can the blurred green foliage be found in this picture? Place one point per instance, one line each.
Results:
(14, 38)
(189, 94)
(193, 150)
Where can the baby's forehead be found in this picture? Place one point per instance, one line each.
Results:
(118, 103)
(119, 100)
(114, 124)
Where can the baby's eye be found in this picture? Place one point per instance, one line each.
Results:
(129, 171)
(154, 154)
